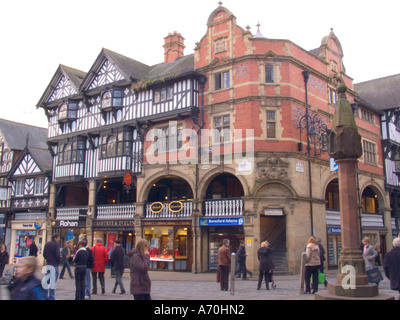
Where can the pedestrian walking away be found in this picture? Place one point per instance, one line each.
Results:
(51, 253)
(313, 262)
(117, 266)
(322, 259)
(139, 262)
(391, 266)
(266, 267)
(224, 264)
(26, 286)
(89, 267)
(33, 249)
(100, 259)
(4, 257)
(80, 261)
(65, 256)
(241, 258)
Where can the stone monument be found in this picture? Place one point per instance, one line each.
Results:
(345, 148)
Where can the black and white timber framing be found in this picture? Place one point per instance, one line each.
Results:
(82, 121)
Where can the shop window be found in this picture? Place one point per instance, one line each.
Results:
(23, 241)
(168, 247)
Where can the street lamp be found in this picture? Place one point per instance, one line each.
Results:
(316, 130)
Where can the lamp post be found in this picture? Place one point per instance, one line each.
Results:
(306, 76)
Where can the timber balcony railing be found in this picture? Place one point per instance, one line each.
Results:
(172, 209)
(223, 207)
(368, 220)
(116, 211)
(71, 213)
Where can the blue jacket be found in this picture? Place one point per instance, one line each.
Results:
(28, 289)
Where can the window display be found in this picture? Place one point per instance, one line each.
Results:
(22, 242)
(168, 247)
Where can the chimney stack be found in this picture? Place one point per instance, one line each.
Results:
(173, 46)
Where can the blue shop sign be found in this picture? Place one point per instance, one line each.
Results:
(209, 222)
(334, 230)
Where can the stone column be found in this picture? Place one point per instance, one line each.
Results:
(345, 148)
(351, 253)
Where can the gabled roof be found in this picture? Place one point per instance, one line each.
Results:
(15, 135)
(384, 93)
(65, 83)
(36, 161)
(130, 69)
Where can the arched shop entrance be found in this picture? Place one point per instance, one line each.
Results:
(167, 224)
(222, 216)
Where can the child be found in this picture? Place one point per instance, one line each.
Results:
(26, 286)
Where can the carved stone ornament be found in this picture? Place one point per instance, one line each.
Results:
(272, 168)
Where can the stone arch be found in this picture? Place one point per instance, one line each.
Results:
(147, 185)
(275, 188)
(377, 189)
(211, 174)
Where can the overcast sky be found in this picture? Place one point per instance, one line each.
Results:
(37, 36)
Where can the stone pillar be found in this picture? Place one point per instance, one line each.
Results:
(345, 148)
(351, 253)
(91, 212)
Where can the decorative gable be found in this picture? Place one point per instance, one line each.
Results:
(63, 89)
(107, 74)
(27, 166)
(64, 84)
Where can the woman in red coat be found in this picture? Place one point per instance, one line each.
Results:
(100, 259)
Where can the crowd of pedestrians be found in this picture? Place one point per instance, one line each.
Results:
(90, 264)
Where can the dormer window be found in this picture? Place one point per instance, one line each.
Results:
(112, 99)
(68, 111)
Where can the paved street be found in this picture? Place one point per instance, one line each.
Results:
(202, 286)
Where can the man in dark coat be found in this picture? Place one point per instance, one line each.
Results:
(391, 265)
(52, 254)
(117, 265)
(241, 258)
(224, 264)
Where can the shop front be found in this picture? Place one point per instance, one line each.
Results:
(23, 234)
(170, 244)
(111, 230)
(70, 230)
(215, 230)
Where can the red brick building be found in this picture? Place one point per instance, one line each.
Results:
(172, 128)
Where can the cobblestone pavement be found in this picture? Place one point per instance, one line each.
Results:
(202, 286)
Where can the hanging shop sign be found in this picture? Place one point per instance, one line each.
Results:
(175, 206)
(156, 207)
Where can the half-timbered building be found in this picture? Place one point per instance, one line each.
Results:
(24, 163)
(30, 179)
(203, 147)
